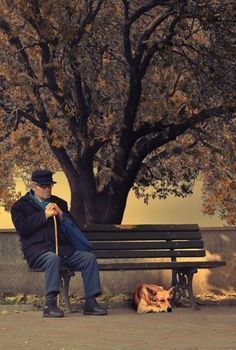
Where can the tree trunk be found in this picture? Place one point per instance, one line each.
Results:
(77, 208)
(87, 205)
(102, 208)
(83, 206)
(111, 208)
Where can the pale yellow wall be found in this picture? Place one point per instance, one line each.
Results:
(169, 211)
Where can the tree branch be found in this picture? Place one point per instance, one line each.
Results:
(47, 61)
(65, 162)
(80, 100)
(159, 45)
(92, 13)
(19, 113)
(146, 145)
(148, 32)
(171, 94)
(147, 129)
(126, 36)
(143, 9)
(15, 41)
(11, 128)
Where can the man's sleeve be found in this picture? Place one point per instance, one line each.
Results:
(27, 225)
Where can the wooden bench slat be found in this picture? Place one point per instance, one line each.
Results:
(38, 269)
(107, 254)
(139, 228)
(150, 266)
(148, 235)
(131, 245)
(160, 265)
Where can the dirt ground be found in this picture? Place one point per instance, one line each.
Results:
(213, 327)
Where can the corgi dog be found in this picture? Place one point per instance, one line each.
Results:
(152, 298)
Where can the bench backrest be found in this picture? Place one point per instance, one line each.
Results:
(145, 241)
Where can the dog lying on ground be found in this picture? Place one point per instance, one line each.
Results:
(152, 298)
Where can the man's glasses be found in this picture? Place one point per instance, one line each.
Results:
(44, 186)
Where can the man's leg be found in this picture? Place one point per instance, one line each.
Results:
(50, 263)
(86, 263)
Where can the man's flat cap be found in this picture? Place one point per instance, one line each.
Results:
(43, 177)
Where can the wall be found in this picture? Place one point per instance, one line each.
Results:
(220, 243)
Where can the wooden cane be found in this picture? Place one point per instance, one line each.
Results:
(56, 234)
(56, 247)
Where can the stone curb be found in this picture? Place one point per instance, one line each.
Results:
(16, 308)
(110, 305)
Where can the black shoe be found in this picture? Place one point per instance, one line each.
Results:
(54, 311)
(91, 307)
(51, 309)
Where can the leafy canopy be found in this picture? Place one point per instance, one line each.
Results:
(143, 90)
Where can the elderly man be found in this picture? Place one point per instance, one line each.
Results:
(32, 216)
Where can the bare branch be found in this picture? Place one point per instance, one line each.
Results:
(147, 129)
(16, 122)
(167, 41)
(143, 9)
(148, 32)
(126, 38)
(92, 13)
(80, 100)
(171, 94)
(18, 114)
(147, 145)
(15, 41)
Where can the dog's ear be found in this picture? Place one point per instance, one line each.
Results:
(171, 291)
(151, 292)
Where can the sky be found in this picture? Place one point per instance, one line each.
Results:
(169, 211)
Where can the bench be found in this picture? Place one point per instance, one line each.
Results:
(148, 247)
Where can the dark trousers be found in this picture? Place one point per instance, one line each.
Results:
(80, 261)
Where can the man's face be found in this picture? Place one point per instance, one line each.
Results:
(42, 192)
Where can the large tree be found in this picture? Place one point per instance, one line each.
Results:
(119, 95)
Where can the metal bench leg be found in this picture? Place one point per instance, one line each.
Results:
(65, 282)
(190, 290)
(183, 280)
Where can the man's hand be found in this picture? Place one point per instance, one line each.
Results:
(52, 209)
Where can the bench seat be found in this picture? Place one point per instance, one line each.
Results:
(160, 265)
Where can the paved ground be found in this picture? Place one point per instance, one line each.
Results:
(212, 327)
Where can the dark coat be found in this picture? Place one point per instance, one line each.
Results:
(36, 232)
